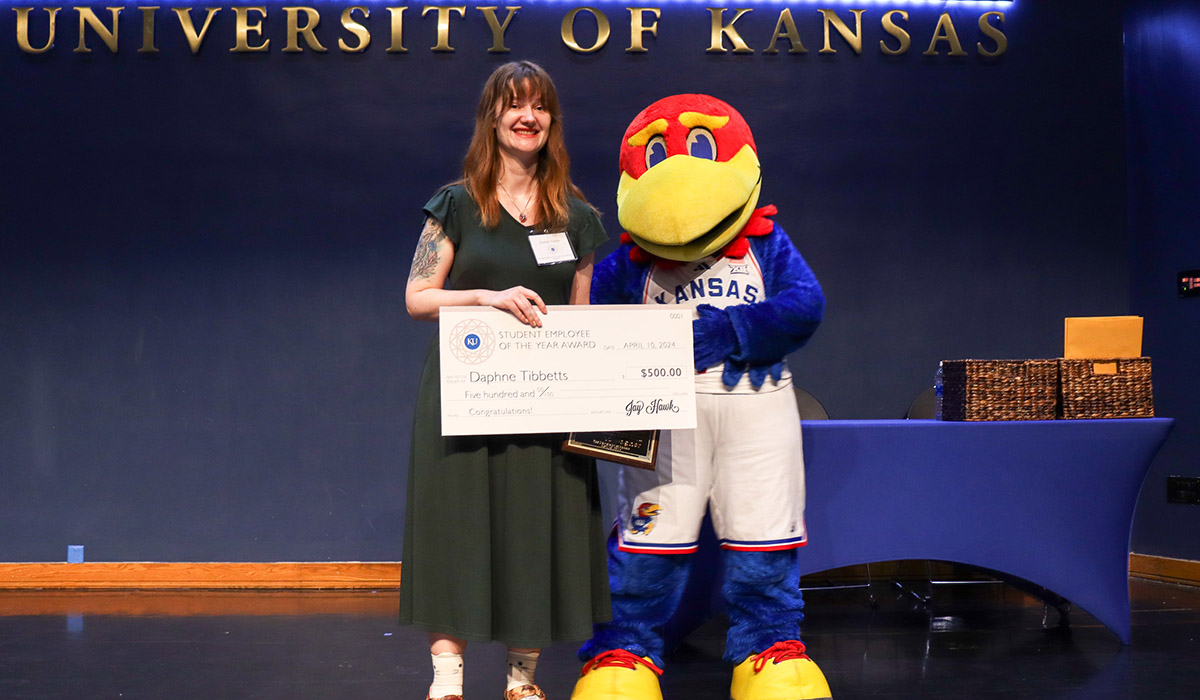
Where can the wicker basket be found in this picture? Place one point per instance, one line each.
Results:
(1118, 388)
(995, 390)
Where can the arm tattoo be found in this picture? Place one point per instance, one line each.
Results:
(428, 253)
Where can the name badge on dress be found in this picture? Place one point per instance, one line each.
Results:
(551, 248)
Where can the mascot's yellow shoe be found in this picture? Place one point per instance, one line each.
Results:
(618, 675)
(783, 672)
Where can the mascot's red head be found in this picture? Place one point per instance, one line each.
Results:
(690, 177)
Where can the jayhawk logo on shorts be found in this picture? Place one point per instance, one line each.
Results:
(643, 521)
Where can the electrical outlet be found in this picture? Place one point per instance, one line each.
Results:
(1183, 489)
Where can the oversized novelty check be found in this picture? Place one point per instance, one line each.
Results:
(588, 368)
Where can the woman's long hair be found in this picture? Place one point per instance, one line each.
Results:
(481, 168)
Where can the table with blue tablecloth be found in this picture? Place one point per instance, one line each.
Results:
(1050, 502)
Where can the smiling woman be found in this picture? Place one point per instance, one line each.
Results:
(521, 130)
(503, 537)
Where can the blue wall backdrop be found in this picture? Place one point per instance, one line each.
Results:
(204, 353)
(1163, 78)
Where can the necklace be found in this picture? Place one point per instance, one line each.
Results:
(522, 218)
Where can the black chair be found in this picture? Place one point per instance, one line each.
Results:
(810, 407)
(922, 407)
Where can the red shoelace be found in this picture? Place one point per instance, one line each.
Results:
(780, 651)
(622, 659)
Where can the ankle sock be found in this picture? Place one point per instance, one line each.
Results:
(447, 675)
(521, 668)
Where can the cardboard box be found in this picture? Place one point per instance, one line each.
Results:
(1102, 337)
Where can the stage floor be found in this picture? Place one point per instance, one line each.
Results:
(972, 641)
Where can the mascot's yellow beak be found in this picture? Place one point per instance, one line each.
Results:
(688, 208)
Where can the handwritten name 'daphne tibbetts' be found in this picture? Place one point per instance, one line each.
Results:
(511, 377)
(257, 29)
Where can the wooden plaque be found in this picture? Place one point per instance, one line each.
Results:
(636, 448)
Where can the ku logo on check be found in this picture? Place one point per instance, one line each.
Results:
(472, 342)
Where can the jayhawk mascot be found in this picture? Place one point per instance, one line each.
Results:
(696, 237)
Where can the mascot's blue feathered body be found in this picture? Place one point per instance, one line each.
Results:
(695, 237)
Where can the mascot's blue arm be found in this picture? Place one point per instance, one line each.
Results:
(616, 280)
(767, 331)
(754, 337)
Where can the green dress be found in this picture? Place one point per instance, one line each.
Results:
(503, 538)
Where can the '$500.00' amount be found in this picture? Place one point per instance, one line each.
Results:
(653, 372)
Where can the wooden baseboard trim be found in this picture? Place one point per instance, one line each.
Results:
(1165, 569)
(207, 575)
(380, 603)
(347, 575)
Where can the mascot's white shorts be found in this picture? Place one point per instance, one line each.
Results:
(744, 459)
